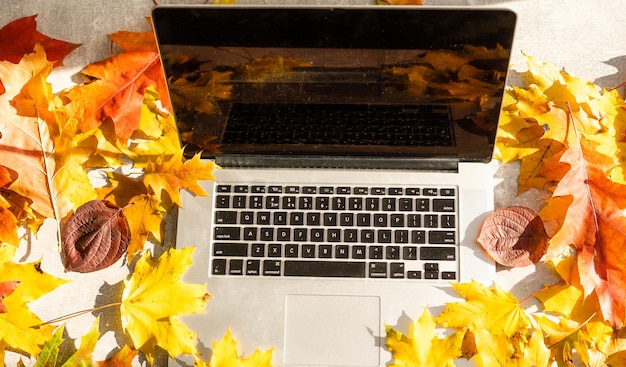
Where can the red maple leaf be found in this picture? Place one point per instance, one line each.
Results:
(20, 37)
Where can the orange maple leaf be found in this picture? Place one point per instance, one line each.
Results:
(595, 225)
(118, 84)
(169, 176)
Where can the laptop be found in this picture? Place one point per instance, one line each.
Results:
(354, 146)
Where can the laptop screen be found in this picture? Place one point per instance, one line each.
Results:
(380, 82)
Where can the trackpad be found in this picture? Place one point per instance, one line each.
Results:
(332, 330)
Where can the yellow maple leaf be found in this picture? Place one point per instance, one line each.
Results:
(171, 175)
(492, 309)
(17, 329)
(225, 355)
(422, 347)
(154, 297)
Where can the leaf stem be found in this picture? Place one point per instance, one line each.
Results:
(75, 314)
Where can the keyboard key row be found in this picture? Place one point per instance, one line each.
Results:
(350, 235)
(315, 268)
(388, 204)
(324, 251)
(332, 219)
(340, 190)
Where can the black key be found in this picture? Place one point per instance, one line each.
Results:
(271, 267)
(341, 252)
(448, 221)
(225, 217)
(263, 218)
(358, 252)
(218, 267)
(395, 191)
(222, 201)
(242, 189)
(346, 269)
(322, 203)
(239, 202)
(291, 250)
(412, 274)
(339, 203)
(235, 267)
(431, 274)
(372, 204)
(246, 218)
(325, 251)
(448, 275)
(276, 189)
(253, 267)
(442, 237)
(446, 192)
(274, 250)
(437, 253)
(429, 192)
(418, 236)
(422, 205)
(227, 233)
(308, 251)
(296, 218)
(409, 253)
(375, 252)
(258, 189)
(230, 249)
(258, 250)
(392, 252)
(378, 270)
(443, 205)
(223, 188)
(396, 270)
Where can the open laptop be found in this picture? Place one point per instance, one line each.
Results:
(354, 144)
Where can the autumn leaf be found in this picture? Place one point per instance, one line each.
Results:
(151, 322)
(594, 225)
(123, 358)
(50, 351)
(492, 309)
(94, 237)
(514, 236)
(225, 354)
(118, 83)
(169, 176)
(422, 346)
(16, 325)
(20, 36)
(23, 144)
(32, 120)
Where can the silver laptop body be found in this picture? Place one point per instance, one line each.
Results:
(327, 221)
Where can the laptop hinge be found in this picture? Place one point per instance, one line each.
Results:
(294, 161)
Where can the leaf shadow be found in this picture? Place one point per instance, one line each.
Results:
(616, 79)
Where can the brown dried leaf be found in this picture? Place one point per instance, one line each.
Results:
(514, 236)
(95, 237)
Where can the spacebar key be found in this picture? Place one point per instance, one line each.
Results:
(343, 269)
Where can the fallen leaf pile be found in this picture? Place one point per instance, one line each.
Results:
(568, 136)
(566, 133)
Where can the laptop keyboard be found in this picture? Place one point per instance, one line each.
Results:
(392, 232)
(344, 124)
